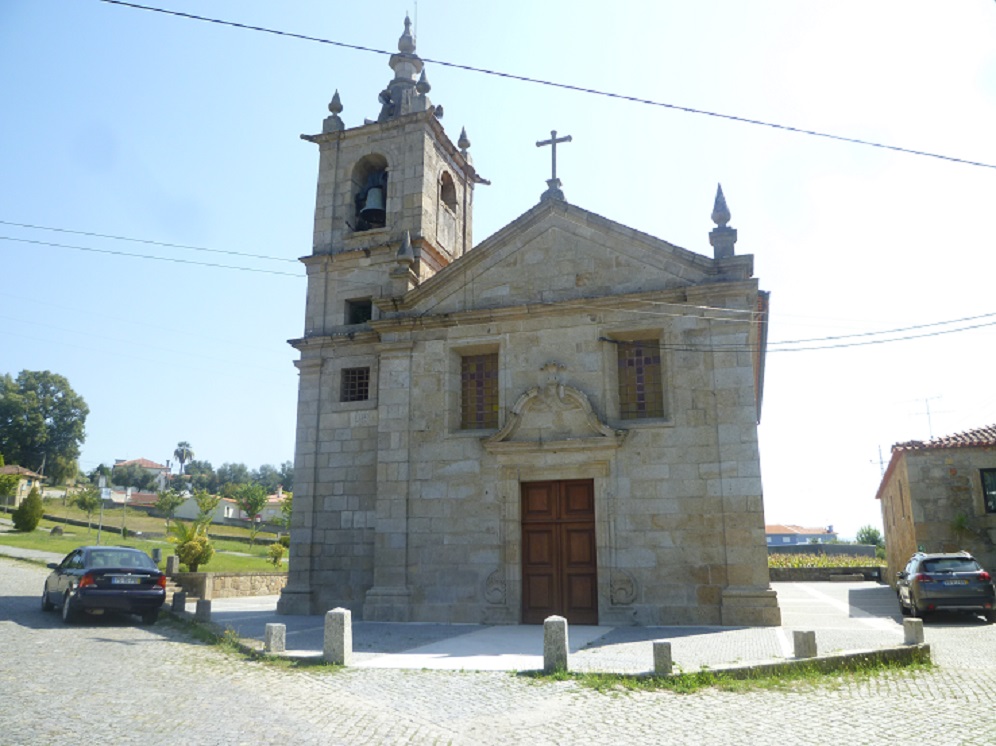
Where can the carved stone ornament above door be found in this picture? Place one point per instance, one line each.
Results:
(554, 416)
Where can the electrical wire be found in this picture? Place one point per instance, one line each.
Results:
(148, 256)
(565, 86)
(148, 241)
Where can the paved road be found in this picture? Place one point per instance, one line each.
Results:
(111, 682)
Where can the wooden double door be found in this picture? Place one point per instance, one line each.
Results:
(559, 568)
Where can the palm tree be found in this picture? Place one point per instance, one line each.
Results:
(183, 453)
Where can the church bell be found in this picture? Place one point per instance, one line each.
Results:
(373, 207)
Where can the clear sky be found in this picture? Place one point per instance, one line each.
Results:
(131, 123)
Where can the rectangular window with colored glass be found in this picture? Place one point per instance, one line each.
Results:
(479, 391)
(641, 392)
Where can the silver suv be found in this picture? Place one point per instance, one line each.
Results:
(951, 582)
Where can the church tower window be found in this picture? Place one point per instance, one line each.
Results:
(359, 311)
(447, 191)
(370, 190)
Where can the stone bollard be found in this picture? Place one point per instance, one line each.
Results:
(275, 638)
(180, 601)
(805, 644)
(172, 565)
(203, 612)
(554, 644)
(662, 658)
(338, 647)
(912, 631)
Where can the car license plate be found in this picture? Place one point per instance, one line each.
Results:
(124, 580)
(955, 582)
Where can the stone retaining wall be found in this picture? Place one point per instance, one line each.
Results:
(230, 585)
(810, 574)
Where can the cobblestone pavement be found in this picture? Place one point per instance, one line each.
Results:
(108, 681)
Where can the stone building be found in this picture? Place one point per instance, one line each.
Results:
(940, 496)
(560, 419)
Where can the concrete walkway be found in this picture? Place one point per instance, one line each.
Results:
(845, 616)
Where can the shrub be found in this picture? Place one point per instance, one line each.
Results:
(29, 513)
(193, 546)
(276, 554)
(284, 540)
(822, 560)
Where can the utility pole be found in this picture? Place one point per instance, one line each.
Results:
(930, 427)
(102, 482)
(124, 511)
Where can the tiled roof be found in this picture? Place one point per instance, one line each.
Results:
(982, 436)
(143, 462)
(19, 470)
(788, 529)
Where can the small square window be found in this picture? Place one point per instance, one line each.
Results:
(359, 311)
(989, 489)
(355, 384)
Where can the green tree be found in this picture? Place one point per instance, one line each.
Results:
(183, 453)
(29, 513)
(251, 499)
(8, 485)
(193, 546)
(286, 508)
(200, 476)
(42, 423)
(869, 535)
(167, 501)
(269, 477)
(88, 500)
(133, 475)
(230, 476)
(103, 470)
(287, 475)
(206, 505)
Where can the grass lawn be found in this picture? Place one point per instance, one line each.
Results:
(229, 555)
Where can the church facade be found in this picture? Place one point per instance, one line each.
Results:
(561, 419)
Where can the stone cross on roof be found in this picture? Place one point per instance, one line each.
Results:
(553, 184)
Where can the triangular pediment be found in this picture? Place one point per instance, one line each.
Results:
(558, 252)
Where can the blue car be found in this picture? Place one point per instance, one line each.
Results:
(101, 579)
(945, 582)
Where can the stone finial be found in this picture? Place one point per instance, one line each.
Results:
(335, 105)
(332, 122)
(463, 142)
(403, 94)
(405, 254)
(423, 86)
(406, 43)
(722, 237)
(720, 212)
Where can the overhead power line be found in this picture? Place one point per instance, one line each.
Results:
(148, 241)
(148, 256)
(564, 86)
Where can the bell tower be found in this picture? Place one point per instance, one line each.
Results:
(394, 201)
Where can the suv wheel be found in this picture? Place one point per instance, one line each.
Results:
(990, 616)
(903, 608)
